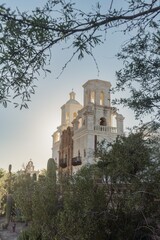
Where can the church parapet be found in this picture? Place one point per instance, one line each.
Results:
(105, 129)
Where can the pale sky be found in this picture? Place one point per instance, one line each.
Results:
(26, 134)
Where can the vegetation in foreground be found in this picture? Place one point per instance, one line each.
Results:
(116, 198)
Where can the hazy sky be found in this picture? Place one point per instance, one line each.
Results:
(26, 134)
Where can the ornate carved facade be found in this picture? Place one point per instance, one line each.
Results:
(66, 151)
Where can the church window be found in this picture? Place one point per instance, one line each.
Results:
(114, 120)
(80, 123)
(74, 115)
(92, 97)
(67, 116)
(57, 137)
(102, 98)
(72, 95)
(103, 121)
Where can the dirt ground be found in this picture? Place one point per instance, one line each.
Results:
(9, 234)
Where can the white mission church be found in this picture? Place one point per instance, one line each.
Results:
(82, 127)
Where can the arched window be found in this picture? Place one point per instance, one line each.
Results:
(56, 137)
(101, 98)
(74, 115)
(103, 121)
(86, 98)
(113, 120)
(67, 116)
(79, 122)
(92, 97)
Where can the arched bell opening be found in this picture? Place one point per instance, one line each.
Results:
(103, 121)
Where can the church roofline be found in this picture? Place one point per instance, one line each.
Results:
(96, 81)
(71, 102)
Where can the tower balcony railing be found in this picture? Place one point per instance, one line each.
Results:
(76, 161)
(63, 163)
(108, 129)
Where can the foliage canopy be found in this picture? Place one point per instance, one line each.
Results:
(27, 39)
(116, 198)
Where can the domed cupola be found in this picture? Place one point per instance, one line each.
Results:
(70, 110)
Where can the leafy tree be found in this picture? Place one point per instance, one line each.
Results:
(27, 39)
(118, 197)
(40, 206)
(141, 72)
(22, 194)
(84, 212)
(131, 172)
(45, 204)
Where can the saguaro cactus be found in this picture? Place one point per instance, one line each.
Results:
(51, 170)
(9, 202)
(9, 179)
(9, 206)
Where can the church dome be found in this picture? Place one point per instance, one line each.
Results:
(72, 99)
